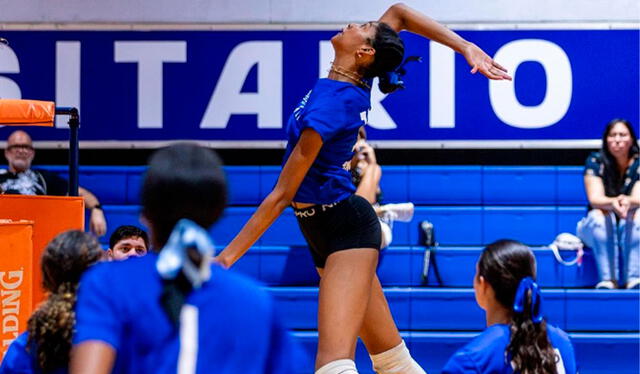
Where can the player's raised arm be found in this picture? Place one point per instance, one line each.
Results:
(402, 17)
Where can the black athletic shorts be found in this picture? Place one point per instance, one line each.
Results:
(347, 224)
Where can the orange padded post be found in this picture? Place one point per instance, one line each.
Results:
(16, 252)
(27, 112)
(51, 216)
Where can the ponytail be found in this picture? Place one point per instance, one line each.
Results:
(509, 266)
(51, 327)
(393, 80)
(183, 265)
(529, 348)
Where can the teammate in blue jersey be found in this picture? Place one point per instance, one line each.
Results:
(45, 347)
(172, 311)
(517, 338)
(342, 229)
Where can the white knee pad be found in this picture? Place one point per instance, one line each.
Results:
(345, 366)
(397, 360)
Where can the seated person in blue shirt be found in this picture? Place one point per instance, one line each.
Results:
(45, 347)
(127, 241)
(517, 338)
(173, 311)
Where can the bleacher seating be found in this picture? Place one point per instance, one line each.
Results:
(470, 206)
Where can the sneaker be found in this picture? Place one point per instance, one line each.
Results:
(399, 212)
(633, 284)
(605, 285)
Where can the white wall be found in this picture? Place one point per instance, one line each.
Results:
(311, 11)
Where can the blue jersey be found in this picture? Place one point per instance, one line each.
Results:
(227, 326)
(335, 110)
(486, 353)
(19, 360)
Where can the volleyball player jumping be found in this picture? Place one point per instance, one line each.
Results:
(341, 228)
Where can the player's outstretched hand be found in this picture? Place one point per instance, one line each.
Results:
(481, 62)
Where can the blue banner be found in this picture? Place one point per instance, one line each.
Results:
(137, 86)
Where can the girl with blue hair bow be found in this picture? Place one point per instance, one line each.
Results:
(517, 338)
(172, 311)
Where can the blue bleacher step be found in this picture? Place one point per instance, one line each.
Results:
(596, 353)
(455, 225)
(441, 309)
(402, 266)
(421, 184)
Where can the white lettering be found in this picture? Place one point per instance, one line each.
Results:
(150, 57)
(188, 356)
(559, 84)
(67, 78)
(10, 303)
(10, 323)
(9, 64)
(227, 98)
(12, 274)
(305, 213)
(442, 81)
(326, 57)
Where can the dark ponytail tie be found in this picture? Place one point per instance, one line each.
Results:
(392, 80)
(527, 284)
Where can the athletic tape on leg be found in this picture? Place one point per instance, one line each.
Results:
(345, 366)
(397, 360)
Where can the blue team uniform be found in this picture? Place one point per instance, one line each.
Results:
(335, 110)
(237, 330)
(19, 360)
(486, 353)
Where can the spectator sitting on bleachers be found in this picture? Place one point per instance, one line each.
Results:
(21, 179)
(366, 175)
(45, 347)
(517, 338)
(197, 317)
(127, 241)
(612, 226)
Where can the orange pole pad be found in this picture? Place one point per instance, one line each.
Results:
(51, 216)
(27, 112)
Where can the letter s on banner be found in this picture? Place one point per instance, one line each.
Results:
(559, 84)
(9, 64)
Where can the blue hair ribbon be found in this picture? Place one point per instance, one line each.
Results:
(394, 78)
(173, 258)
(528, 284)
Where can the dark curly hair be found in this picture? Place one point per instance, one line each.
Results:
(51, 326)
(504, 264)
